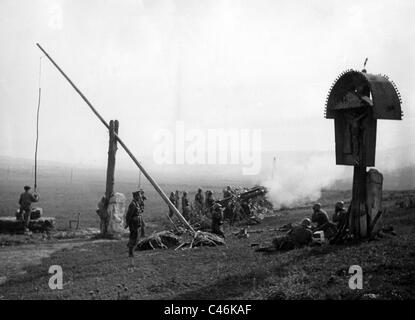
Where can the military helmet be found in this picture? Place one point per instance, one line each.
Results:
(339, 205)
(317, 206)
(306, 222)
(26, 187)
(217, 206)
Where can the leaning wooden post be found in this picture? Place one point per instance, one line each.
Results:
(123, 145)
(109, 188)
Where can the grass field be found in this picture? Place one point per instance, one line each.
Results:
(98, 269)
(61, 197)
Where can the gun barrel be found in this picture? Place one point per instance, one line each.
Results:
(252, 193)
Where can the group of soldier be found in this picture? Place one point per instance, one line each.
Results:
(205, 204)
(302, 234)
(202, 204)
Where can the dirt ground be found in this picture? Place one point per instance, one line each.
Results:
(99, 270)
(15, 259)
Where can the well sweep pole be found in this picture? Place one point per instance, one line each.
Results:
(146, 174)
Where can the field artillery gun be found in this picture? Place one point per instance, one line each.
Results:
(243, 196)
(238, 206)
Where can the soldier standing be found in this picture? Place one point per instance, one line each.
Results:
(227, 192)
(177, 195)
(25, 202)
(134, 221)
(209, 202)
(185, 206)
(199, 200)
(217, 220)
(172, 200)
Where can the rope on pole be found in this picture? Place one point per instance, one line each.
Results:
(37, 120)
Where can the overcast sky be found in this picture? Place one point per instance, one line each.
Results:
(213, 64)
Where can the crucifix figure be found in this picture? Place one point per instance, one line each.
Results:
(355, 129)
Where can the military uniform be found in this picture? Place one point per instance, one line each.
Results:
(301, 235)
(321, 218)
(297, 237)
(185, 207)
(135, 222)
(227, 192)
(217, 221)
(209, 202)
(172, 200)
(340, 214)
(199, 199)
(25, 201)
(177, 199)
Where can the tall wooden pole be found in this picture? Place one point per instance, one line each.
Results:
(358, 218)
(109, 187)
(358, 223)
(138, 164)
(112, 149)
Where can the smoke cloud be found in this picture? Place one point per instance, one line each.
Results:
(296, 182)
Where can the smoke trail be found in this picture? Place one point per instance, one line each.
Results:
(295, 183)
